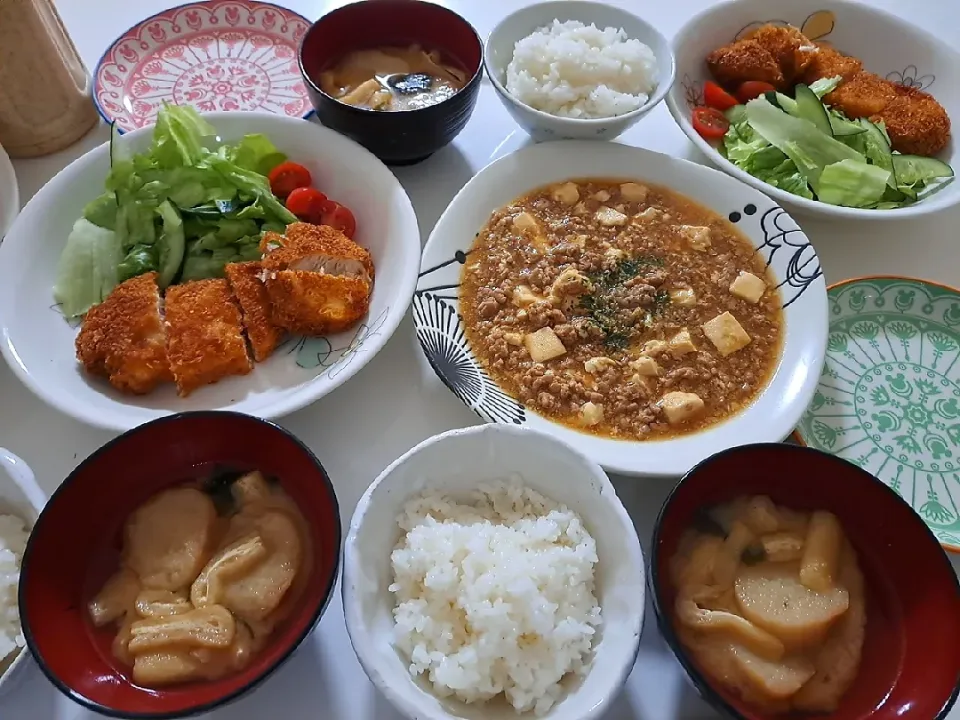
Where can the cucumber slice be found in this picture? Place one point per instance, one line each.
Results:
(845, 128)
(911, 169)
(809, 107)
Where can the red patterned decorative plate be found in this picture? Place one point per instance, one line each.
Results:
(228, 55)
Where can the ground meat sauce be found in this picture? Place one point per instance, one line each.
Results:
(620, 309)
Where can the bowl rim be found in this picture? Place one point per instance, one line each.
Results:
(95, 75)
(661, 92)
(311, 390)
(704, 685)
(802, 204)
(270, 670)
(368, 112)
(357, 627)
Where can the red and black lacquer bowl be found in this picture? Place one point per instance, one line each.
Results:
(402, 137)
(911, 654)
(76, 541)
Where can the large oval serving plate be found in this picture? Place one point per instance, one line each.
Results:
(38, 343)
(793, 261)
(227, 55)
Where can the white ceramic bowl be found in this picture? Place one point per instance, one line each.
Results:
(789, 254)
(9, 194)
(457, 461)
(888, 46)
(21, 496)
(543, 126)
(39, 344)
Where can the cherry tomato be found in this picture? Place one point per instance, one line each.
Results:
(337, 216)
(710, 123)
(753, 89)
(307, 203)
(716, 97)
(287, 177)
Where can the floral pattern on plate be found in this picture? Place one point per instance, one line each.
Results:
(232, 55)
(889, 395)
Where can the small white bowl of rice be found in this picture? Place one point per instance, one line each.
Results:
(21, 501)
(492, 573)
(577, 70)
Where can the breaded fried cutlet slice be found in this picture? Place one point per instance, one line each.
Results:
(316, 303)
(829, 63)
(254, 301)
(320, 248)
(916, 123)
(788, 46)
(123, 338)
(204, 334)
(863, 95)
(744, 60)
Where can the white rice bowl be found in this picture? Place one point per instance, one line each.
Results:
(495, 595)
(13, 541)
(573, 70)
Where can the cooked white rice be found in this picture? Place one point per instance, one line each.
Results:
(13, 541)
(579, 71)
(495, 595)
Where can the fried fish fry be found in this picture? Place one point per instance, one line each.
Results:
(863, 95)
(263, 334)
(916, 122)
(788, 46)
(205, 340)
(744, 60)
(828, 63)
(123, 337)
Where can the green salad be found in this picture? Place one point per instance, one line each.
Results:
(185, 208)
(807, 148)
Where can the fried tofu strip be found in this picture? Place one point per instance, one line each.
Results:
(263, 334)
(123, 339)
(204, 334)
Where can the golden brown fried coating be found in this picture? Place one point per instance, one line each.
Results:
(744, 60)
(123, 337)
(204, 334)
(319, 247)
(863, 95)
(252, 295)
(828, 63)
(270, 241)
(788, 46)
(315, 303)
(916, 123)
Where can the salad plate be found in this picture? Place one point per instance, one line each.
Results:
(221, 55)
(889, 396)
(9, 193)
(778, 241)
(37, 340)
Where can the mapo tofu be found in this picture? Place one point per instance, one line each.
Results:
(621, 309)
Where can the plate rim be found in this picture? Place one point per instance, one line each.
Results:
(798, 436)
(95, 75)
(811, 379)
(396, 311)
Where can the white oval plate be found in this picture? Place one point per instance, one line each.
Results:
(778, 239)
(9, 194)
(39, 344)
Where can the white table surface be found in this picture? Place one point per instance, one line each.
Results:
(395, 402)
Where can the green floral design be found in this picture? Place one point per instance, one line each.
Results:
(889, 395)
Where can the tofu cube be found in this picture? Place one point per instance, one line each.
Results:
(683, 297)
(601, 195)
(651, 213)
(678, 407)
(748, 286)
(525, 221)
(633, 192)
(515, 339)
(726, 334)
(682, 344)
(652, 348)
(591, 414)
(645, 367)
(614, 254)
(696, 236)
(544, 345)
(598, 364)
(566, 193)
(609, 217)
(523, 296)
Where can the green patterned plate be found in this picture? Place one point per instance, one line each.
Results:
(889, 395)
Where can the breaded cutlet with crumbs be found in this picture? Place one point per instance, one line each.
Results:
(865, 94)
(916, 123)
(254, 301)
(744, 60)
(123, 337)
(788, 46)
(320, 248)
(827, 62)
(205, 340)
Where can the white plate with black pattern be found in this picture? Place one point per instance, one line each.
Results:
(777, 238)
